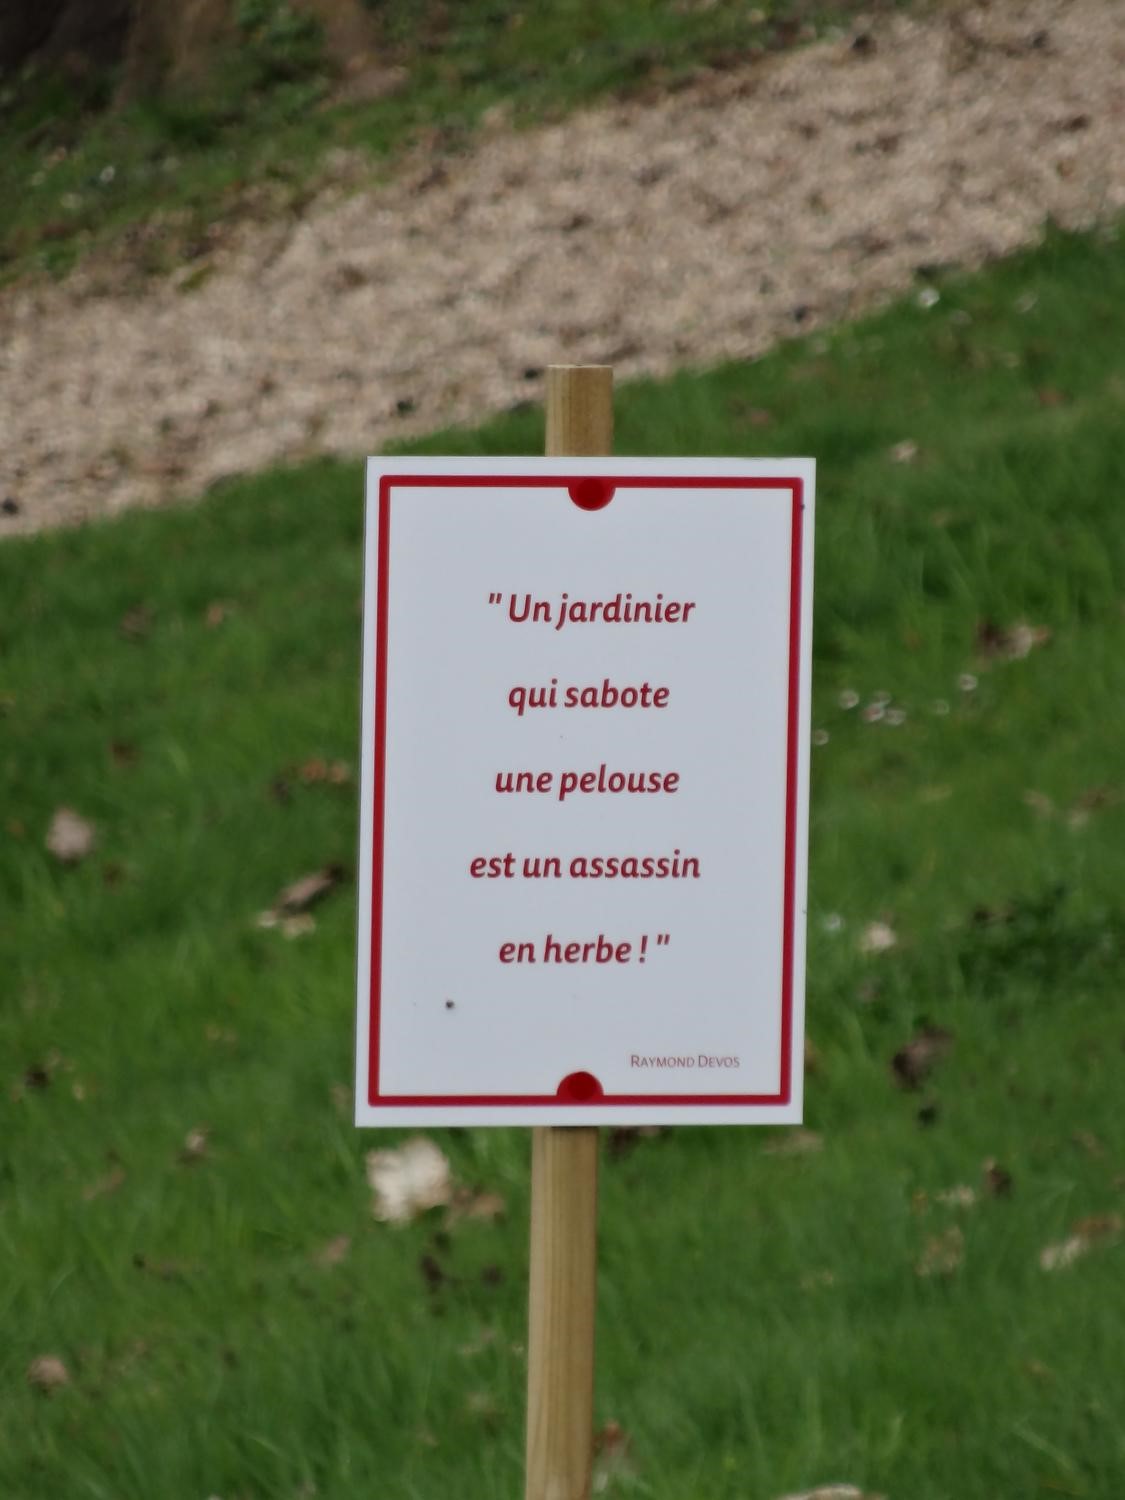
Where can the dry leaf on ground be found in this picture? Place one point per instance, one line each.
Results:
(433, 1272)
(483, 1340)
(48, 1374)
(997, 1179)
(812, 1281)
(335, 773)
(795, 1142)
(1094, 799)
(332, 1253)
(298, 926)
(621, 1140)
(1099, 1229)
(306, 892)
(467, 1203)
(612, 1460)
(408, 1180)
(834, 1492)
(939, 793)
(290, 913)
(961, 1196)
(1039, 803)
(70, 837)
(1062, 1253)
(112, 1180)
(877, 937)
(992, 916)
(39, 1075)
(165, 1270)
(1089, 1142)
(1011, 642)
(484, 1407)
(917, 1058)
(195, 1146)
(942, 1253)
(136, 624)
(217, 612)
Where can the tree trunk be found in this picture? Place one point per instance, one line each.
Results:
(89, 31)
(159, 41)
(173, 43)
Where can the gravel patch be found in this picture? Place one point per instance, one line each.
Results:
(749, 206)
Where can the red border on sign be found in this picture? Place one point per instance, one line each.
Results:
(563, 481)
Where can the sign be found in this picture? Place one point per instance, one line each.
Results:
(584, 791)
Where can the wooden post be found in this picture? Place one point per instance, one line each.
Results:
(579, 411)
(560, 1344)
(564, 1158)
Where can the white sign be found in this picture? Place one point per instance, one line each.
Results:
(584, 791)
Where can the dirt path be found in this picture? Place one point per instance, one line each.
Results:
(797, 192)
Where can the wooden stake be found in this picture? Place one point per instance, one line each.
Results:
(564, 1158)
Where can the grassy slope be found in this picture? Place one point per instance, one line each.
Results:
(762, 1327)
(75, 173)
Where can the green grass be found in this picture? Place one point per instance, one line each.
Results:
(762, 1327)
(154, 175)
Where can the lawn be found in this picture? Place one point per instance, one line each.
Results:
(184, 1219)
